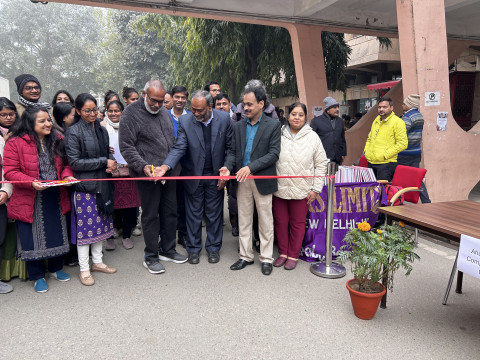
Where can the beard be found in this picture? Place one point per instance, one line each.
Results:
(149, 109)
(204, 117)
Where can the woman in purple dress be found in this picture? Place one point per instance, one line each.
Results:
(92, 201)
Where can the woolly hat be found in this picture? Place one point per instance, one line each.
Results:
(21, 80)
(329, 102)
(412, 101)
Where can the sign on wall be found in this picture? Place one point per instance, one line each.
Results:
(432, 98)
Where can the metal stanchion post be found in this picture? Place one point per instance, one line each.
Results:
(327, 268)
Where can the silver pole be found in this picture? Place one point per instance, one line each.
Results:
(330, 195)
(327, 268)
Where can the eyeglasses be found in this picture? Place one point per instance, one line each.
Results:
(30, 88)
(89, 111)
(153, 101)
(8, 115)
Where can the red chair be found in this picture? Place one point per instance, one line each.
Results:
(410, 179)
(363, 161)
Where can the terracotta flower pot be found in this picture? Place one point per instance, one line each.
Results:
(365, 305)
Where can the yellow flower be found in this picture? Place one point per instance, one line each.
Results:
(401, 223)
(364, 226)
(379, 231)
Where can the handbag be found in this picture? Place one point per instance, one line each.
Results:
(121, 172)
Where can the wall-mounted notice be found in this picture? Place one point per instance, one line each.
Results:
(317, 111)
(432, 98)
(442, 117)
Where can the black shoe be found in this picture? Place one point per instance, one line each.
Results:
(266, 268)
(193, 258)
(181, 240)
(235, 231)
(213, 257)
(240, 264)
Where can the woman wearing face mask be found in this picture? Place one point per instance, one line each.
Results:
(34, 152)
(89, 157)
(126, 197)
(301, 153)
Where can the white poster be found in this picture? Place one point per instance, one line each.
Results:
(469, 256)
(442, 117)
(317, 111)
(432, 98)
(113, 142)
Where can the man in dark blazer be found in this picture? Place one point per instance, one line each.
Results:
(330, 127)
(204, 137)
(255, 151)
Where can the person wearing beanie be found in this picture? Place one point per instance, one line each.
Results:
(412, 155)
(386, 139)
(29, 92)
(330, 128)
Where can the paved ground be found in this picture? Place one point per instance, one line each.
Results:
(208, 311)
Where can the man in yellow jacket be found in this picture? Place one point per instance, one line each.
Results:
(387, 137)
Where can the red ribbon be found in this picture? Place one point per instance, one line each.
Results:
(217, 177)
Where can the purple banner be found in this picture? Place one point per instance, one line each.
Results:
(353, 203)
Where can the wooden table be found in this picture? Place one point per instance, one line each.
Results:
(448, 219)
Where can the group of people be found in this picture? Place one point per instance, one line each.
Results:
(153, 136)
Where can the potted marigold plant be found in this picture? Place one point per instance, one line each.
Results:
(375, 255)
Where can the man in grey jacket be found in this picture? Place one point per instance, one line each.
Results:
(146, 136)
(255, 150)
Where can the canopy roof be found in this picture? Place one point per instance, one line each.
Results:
(372, 15)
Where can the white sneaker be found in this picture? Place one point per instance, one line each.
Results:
(5, 288)
(136, 232)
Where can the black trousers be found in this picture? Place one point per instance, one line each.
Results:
(159, 216)
(126, 219)
(36, 268)
(383, 171)
(181, 216)
(3, 228)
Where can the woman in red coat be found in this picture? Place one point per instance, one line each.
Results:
(35, 152)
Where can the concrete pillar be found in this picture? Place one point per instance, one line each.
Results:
(309, 64)
(451, 157)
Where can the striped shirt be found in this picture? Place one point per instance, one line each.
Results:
(414, 124)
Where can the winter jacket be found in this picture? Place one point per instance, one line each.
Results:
(20, 162)
(414, 124)
(83, 153)
(386, 139)
(145, 138)
(302, 154)
(333, 138)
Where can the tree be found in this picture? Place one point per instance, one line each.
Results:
(142, 52)
(60, 53)
(232, 53)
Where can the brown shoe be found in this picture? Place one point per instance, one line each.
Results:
(280, 261)
(290, 264)
(101, 267)
(86, 278)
